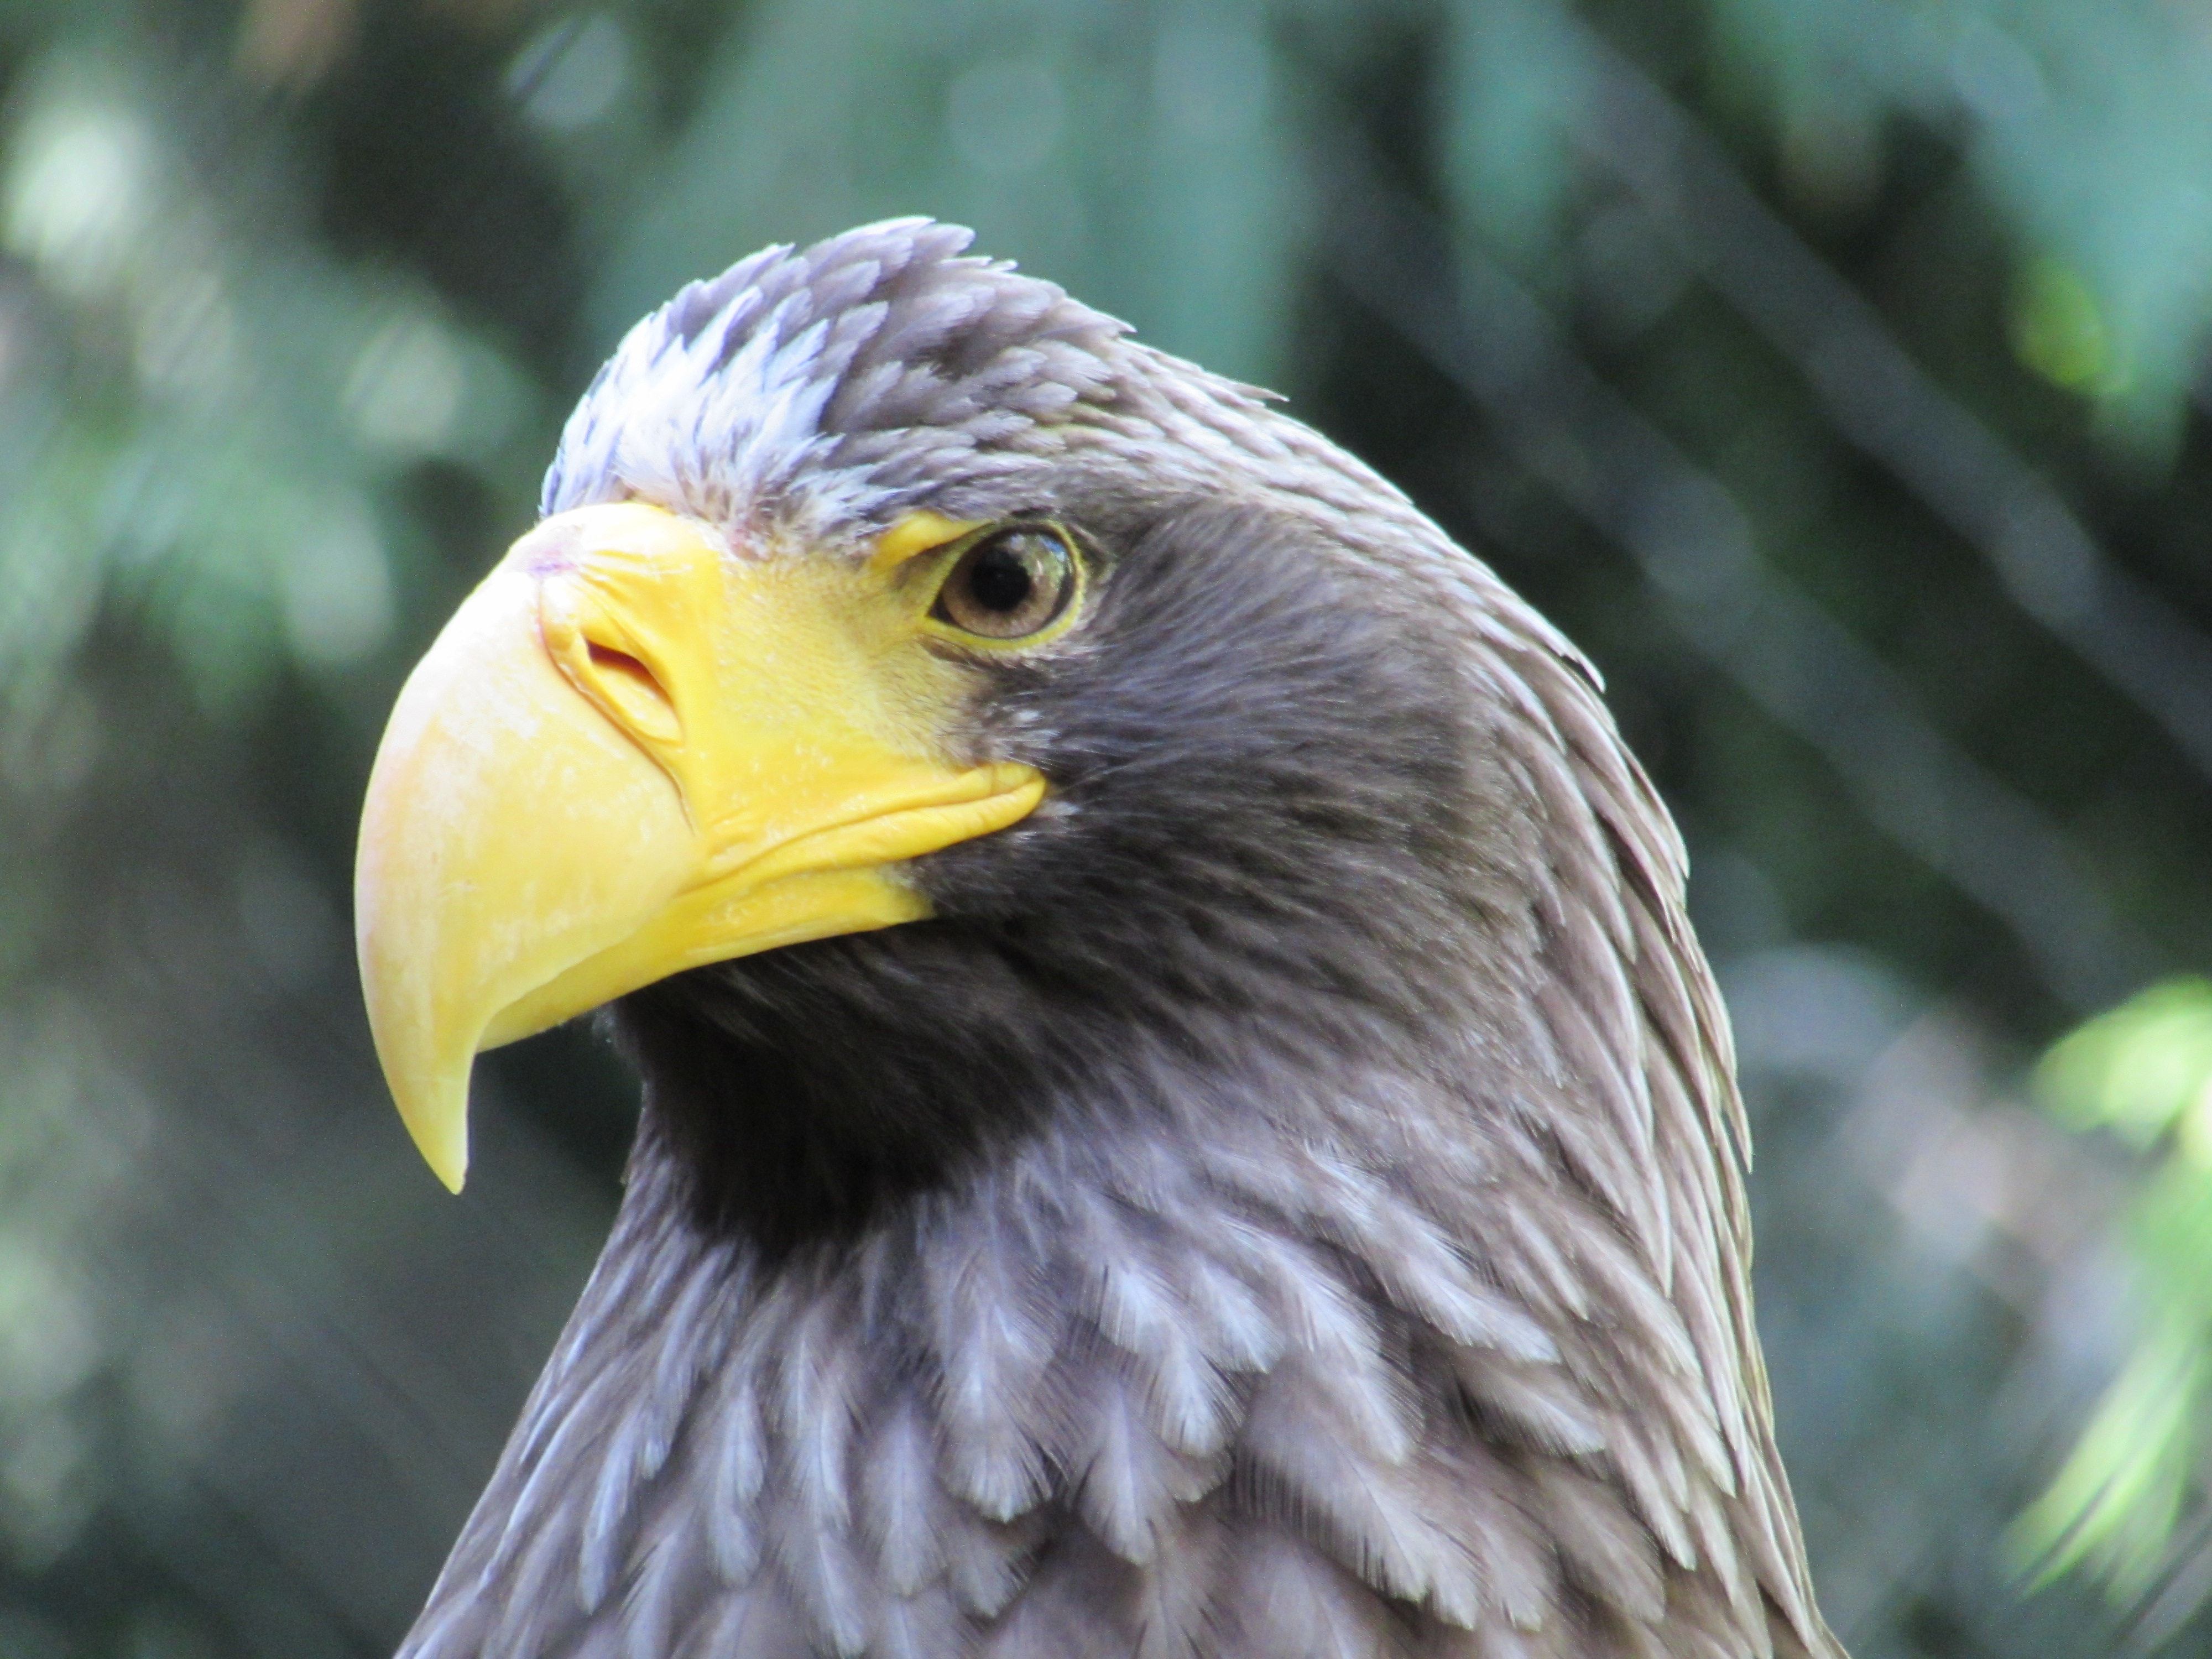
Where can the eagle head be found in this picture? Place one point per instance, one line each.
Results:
(1182, 1114)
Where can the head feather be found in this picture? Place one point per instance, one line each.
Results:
(808, 390)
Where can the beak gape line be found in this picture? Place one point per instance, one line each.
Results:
(633, 751)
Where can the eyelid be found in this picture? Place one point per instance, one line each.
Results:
(917, 536)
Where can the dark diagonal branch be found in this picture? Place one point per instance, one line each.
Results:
(1694, 545)
(1889, 408)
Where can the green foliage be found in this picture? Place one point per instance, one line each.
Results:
(2143, 1071)
(1514, 88)
(209, 436)
(2089, 124)
(1138, 154)
(2115, 1503)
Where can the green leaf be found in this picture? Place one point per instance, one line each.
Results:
(2114, 1505)
(2137, 1069)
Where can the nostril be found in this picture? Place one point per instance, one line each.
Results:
(608, 660)
(634, 691)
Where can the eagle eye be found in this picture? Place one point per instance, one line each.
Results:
(1009, 585)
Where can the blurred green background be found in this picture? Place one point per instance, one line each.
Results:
(1834, 371)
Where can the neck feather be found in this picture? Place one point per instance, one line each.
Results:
(1221, 1375)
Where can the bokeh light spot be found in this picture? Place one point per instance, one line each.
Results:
(336, 588)
(2058, 329)
(572, 72)
(80, 188)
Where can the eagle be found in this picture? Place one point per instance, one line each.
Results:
(1182, 1114)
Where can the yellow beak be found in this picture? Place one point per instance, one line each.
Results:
(633, 751)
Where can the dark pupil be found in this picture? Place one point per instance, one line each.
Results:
(1000, 580)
